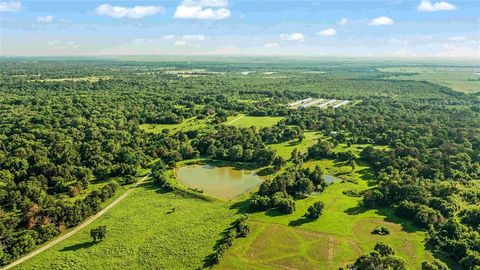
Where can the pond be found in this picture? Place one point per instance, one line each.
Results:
(330, 179)
(221, 182)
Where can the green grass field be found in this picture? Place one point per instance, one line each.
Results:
(338, 237)
(242, 120)
(285, 149)
(187, 124)
(144, 233)
(459, 79)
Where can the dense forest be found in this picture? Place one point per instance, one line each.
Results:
(66, 146)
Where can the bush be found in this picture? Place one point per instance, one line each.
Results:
(434, 265)
(129, 179)
(259, 203)
(242, 227)
(381, 230)
(286, 206)
(315, 210)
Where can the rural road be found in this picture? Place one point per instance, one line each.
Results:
(76, 229)
(238, 118)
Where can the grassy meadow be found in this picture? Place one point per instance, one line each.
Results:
(339, 236)
(285, 149)
(148, 230)
(465, 80)
(242, 120)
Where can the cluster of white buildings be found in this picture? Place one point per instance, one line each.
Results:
(319, 102)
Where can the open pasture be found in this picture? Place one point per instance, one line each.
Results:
(148, 230)
(285, 149)
(187, 124)
(242, 120)
(465, 80)
(339, 236)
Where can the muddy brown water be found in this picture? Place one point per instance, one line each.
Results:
(221, 182)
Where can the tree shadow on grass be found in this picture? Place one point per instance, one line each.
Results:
(209, 261)
(359, 209)
(78, 246)
(300, 221)
(152, 185)
(241, 207)
(274, 213)
(390, 216)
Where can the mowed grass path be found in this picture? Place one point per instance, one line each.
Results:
(148, 230)
(242, 120)
(338, 237)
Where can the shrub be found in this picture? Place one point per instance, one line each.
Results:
(259, 203)
(381, 230)
(315, 210)
(286, 206)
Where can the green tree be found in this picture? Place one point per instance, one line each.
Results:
(99, 233)
(315, 210)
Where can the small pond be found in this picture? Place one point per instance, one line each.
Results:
(221, 182)
(330, 179)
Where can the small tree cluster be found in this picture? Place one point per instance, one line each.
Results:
(382, 258)
(240, 229)
(315, 210)
(381, 230)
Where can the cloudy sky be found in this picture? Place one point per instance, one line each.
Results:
(420, 28)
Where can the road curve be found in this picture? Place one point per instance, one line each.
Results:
(76, 229)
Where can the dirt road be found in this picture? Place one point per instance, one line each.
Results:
(76, 229)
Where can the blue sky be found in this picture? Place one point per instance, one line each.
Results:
(397, 28)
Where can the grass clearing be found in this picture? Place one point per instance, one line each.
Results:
(465, 80)
(242, 120)
(148, 230)
(285, 149)
(339, 236)
(187, 124)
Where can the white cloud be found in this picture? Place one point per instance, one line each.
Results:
(203, 10)
(180, 43)
(342, 21)
(48, 18)
(10, 6)
(327, 32)
(459, 51)
(210, 3)
(398, 42)
(193, 37)
(427, 5)
(382, 20)
(270, 45)
(135, 12)
(58, 45)
(168, 37)
(292, 37)
(457, 38)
